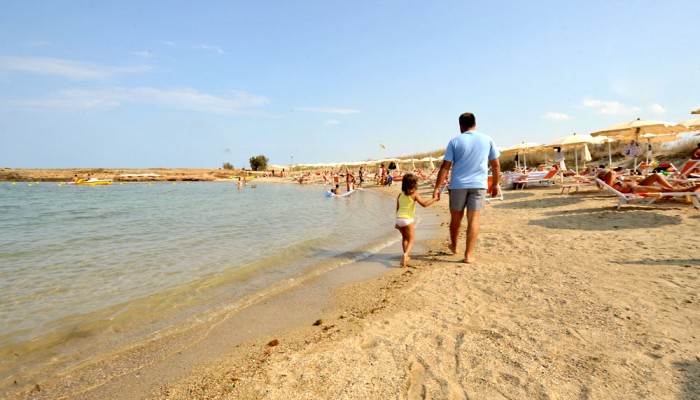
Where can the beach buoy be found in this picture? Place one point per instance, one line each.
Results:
(14, 183)
(29, 184)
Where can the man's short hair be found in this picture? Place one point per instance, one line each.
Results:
(467, 120)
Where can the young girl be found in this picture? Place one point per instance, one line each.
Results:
(405, 213)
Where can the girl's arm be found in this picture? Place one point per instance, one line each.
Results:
(420, 201)
(397, 202)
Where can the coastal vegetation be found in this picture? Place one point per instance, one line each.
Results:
(259, 163)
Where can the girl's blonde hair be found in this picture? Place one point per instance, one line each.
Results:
(409, 184)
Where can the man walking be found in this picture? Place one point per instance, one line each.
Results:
(469, 155)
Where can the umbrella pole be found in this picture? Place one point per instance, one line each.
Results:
(609, 155)
(646, 170)
(576, 158)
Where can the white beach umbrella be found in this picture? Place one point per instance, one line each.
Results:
(575, 141)
(651, 138)
(693, 123)
(608, 140)
(522, 147)
(632, 129)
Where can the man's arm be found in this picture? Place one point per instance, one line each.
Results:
(496, 172)
(442, 174)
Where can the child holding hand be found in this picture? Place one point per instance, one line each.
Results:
(405, 213)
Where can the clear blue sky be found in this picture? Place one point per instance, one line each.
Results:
(141, 84)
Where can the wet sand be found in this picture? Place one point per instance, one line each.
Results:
(570, 299)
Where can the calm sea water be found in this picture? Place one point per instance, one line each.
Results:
(115, 262)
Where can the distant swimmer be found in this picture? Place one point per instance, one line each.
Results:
(239, 184)
(336, 191)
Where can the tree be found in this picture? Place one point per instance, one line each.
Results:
(227, 166)
(258, 163)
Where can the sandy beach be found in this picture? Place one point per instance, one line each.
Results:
(570, 299)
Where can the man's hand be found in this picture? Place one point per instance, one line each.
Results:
(436, 193)
(493, 191)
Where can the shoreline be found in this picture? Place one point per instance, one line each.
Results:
(91, 370)
(569, 298)
(555, 308)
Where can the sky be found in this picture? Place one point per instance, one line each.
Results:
(183, 84)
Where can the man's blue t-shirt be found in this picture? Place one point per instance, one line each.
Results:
(469, 154)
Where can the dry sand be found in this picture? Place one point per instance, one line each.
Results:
(570, 299)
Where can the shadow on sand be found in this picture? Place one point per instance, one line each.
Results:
(538, 203)
(680, 262)
(607, 220)
(516, 195)
(691, 378)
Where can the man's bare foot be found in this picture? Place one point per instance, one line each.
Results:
(469, 259)
(453, 248)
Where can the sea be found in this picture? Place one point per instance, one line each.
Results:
(84, 268)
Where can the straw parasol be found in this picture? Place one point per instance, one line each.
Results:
(696, 111)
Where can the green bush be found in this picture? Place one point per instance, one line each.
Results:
(258, 163)
(227, 166)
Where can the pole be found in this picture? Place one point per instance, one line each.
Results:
(291, 163)
(609, 154)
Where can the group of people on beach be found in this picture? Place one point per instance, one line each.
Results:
(653, 183)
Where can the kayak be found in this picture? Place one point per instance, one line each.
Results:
(91, 182)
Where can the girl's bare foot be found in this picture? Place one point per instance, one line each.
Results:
(404, 260)
(469, 259)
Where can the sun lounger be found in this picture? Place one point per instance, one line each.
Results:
(567, 186)
(685, 173)
(538, 177)
(648, 198)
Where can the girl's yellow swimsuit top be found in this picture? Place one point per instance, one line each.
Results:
(407, 207)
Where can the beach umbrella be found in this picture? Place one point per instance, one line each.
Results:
(522, 147)
(696, 111)
(575, 141)
(651, 138)
(632, 130)
(693, 123)
(608, 140)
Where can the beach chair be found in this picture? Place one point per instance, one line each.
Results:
(684, 175)
(538, 177)
(567, 186)
(648, 198)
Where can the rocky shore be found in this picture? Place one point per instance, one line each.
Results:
(120, 175)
